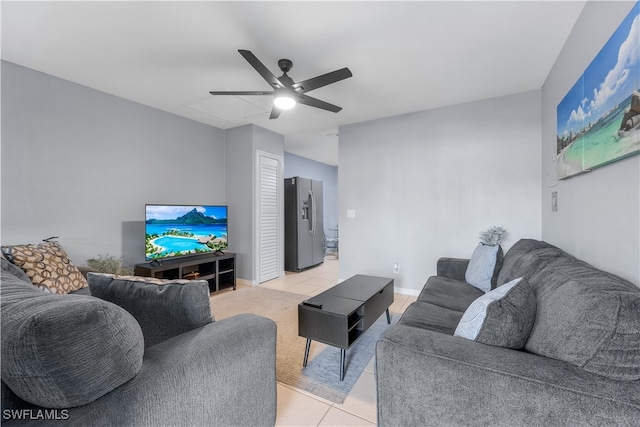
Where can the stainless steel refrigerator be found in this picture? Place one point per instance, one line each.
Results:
(303, 228)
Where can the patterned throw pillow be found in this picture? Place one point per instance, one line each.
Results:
(503, 317)
(48, 267)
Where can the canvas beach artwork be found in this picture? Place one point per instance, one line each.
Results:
(598, 120)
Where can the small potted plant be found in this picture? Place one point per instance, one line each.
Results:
(109, 264)
(493, 236)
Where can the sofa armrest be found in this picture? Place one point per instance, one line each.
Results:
(430, 378)
(223, 374)
(453, 268)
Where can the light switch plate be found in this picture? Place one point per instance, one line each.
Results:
(351, 213)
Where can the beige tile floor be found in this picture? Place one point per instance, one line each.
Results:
(299, 408)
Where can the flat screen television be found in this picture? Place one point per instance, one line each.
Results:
(179, 230)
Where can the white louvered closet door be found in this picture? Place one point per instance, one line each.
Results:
(268, 218)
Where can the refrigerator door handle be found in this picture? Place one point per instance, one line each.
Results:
(313, 213)
(311, 207)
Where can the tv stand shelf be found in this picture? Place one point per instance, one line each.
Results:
(218, 270)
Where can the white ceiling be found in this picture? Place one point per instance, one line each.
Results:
(405, 56)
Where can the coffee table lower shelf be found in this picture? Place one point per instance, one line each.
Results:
(343, 352)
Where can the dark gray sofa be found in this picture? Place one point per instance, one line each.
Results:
(87, 358)
(587, 324)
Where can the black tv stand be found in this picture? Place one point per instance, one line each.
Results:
(218, 270)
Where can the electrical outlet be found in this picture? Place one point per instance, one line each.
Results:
(396, 267)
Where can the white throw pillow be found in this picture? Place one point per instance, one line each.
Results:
(481, 265)
(474, 317)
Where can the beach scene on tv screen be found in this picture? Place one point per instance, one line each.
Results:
(184, 230)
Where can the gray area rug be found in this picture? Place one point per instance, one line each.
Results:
(321, 377)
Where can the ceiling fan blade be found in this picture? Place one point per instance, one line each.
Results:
(222, 92)
(313, 102)
(275, 113)
(261, 69)
(323, 80)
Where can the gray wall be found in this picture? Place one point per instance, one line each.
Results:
(306, 168)
(269, 141)
(239, 187)
(81, 164)
(598, 217)
(424, 185)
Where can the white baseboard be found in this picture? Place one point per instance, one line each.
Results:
(407, 291)
(402, 291)
(245, 282)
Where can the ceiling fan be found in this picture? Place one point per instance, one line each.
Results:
(286, 91)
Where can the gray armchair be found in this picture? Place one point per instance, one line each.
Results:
(81, 360)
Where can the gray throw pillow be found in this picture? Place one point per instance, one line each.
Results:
(163, 308)
(481, 267)
(14, 270)
(503, 317)
(61, 351)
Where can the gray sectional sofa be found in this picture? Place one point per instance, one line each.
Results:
(580, 364)
(80, 360)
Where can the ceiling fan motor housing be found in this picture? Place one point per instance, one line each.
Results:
(285, 65)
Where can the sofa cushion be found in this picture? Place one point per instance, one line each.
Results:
(587, 317)
(449, 293)
(81, 291)
(47, 266)
(164, 308)
(433, 317)
(503, 317)
(60, 351)
(525, 257)
(482, 266)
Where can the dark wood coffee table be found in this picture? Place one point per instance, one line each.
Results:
(340, 315)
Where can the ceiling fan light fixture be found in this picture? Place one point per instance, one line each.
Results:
(284, 102)
(286, 91)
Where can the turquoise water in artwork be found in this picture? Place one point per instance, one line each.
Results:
(602, 144)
